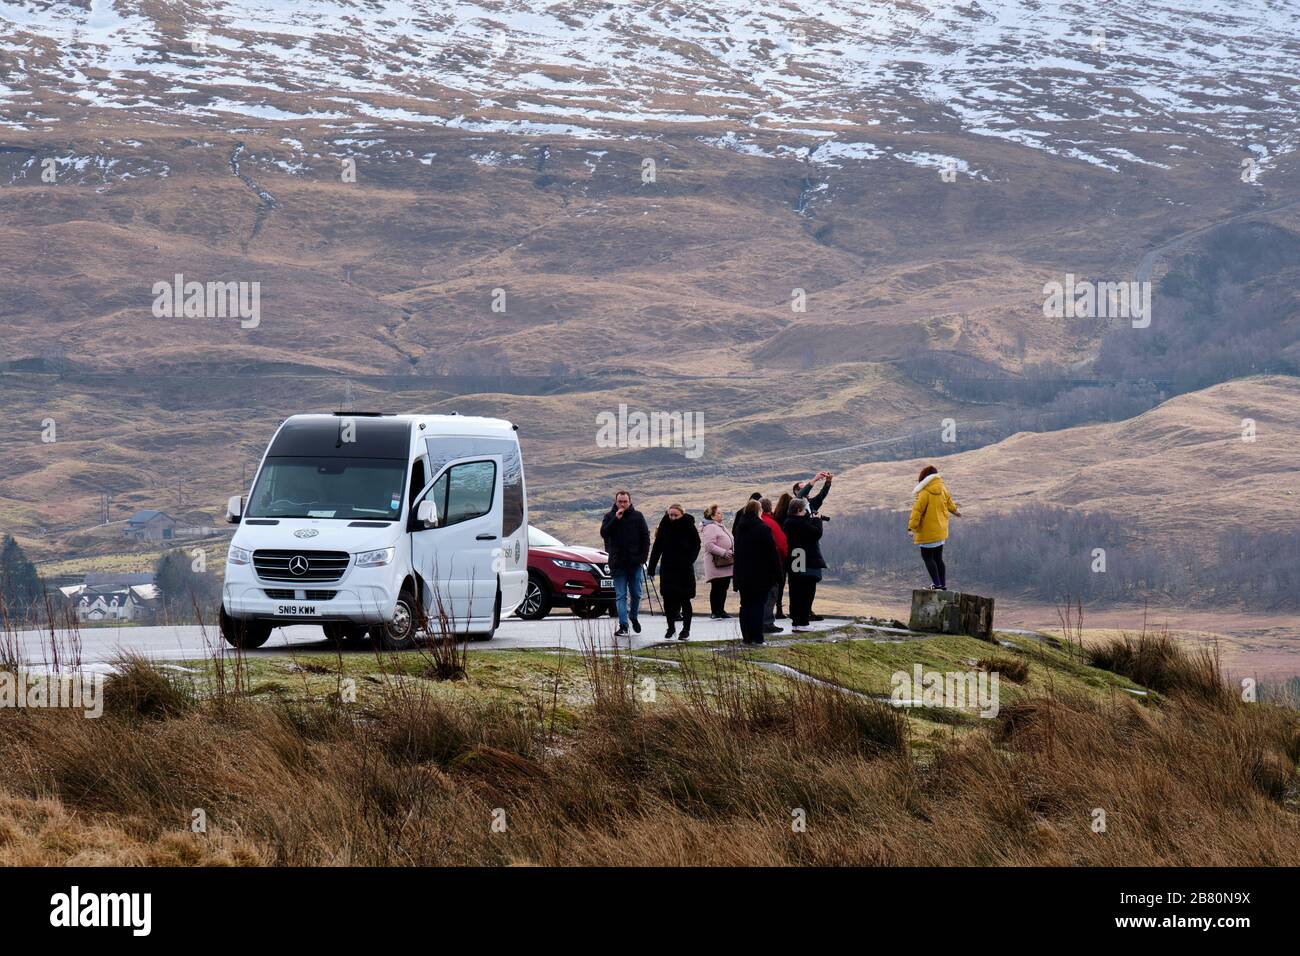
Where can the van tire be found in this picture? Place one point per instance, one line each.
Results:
(537, 599)
(496, 621)
(244, 635)
(401, 633)
(343, 633)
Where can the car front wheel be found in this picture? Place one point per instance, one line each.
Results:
(537, 600)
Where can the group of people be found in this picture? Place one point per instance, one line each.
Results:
(769, 548)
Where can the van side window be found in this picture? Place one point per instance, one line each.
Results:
(438, 495)
(512, 490)
(471, 487)
(463, 491)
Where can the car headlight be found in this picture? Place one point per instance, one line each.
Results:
(573, 565)
(375, 559)
(238, 556)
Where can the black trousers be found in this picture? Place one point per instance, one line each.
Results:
(718, 595)
(769, 607)
(752, 601)
(803, 588)
(780, 594)
(933, 558)
(677, 607)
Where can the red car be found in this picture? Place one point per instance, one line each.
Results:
(561, 576)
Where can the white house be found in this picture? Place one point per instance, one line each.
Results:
(103, 597)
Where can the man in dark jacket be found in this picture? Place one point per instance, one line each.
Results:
(805, 489)
(677, 545)
(803, 534)
(814, 505)
(627, 542)
(757, 569)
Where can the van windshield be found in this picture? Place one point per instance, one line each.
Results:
(329, 488)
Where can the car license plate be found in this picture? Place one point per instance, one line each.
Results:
(297, 610)
(606, 582)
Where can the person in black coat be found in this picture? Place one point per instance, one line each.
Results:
(627, 542)
(677, 545)
(736, 520)
(803, 533)
(757, 569)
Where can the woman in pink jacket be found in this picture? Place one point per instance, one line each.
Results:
(719, 556)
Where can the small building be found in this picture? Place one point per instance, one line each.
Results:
(150, 525)
(113, 597)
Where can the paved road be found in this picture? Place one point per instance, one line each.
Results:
(101, 644)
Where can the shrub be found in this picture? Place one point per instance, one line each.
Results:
(138, 687)
(1012, 668)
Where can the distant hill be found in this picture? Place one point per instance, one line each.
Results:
(1180, 471)
(822, 228)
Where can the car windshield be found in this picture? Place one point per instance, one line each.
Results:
(329, 488)
(537, 538)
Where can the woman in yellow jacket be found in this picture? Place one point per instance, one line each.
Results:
(929, 522)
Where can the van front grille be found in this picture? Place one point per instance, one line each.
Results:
(319, 567)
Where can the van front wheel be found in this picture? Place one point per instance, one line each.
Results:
(399, 634)
(243, 634)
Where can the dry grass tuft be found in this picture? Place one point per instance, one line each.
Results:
(1012, 668)
(737, 769)
(1155, 660)
(139, 687)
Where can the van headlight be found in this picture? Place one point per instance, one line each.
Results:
(238, 556)
(375, 559)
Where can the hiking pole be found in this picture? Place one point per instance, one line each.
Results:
(655, 592)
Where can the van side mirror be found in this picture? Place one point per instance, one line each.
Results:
(234, 508)
(427, 514)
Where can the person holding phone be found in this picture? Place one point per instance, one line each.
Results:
(805, 564)
(803, 490)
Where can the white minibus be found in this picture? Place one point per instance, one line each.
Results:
(365, 523)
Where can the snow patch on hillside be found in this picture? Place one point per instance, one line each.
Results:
(1016, 70)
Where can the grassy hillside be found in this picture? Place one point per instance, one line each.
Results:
(696, 755)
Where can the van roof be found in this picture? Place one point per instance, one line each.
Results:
(433, 424)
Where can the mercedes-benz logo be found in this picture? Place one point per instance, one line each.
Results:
(306, 533)
(298, 564)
